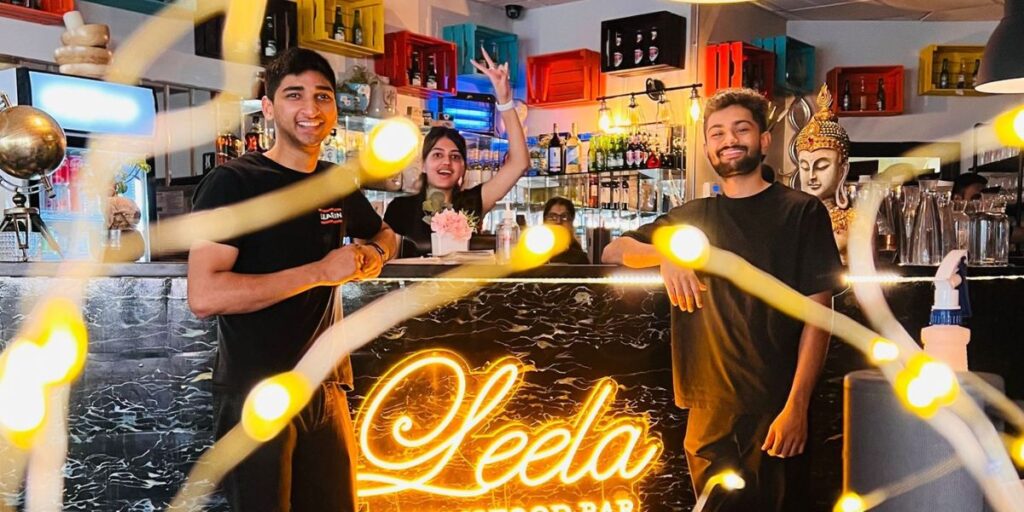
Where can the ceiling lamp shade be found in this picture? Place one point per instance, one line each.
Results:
(1002, 64)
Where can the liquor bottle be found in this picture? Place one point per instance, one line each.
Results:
(653, 50)
(629, 152)
(592, 154)
(621, 156)
(228, 147)
(944, 75)
(254, 137)
(269, 43)
(572, 152)
(961, 77)
(863, 96)
(415, 75)
(624, 196)
(602, 154)
(846, 102)
(593, 191)
(880, 101)
(339, 26)
(431, 72)
(974, 76)
(653, 161)
(357, 29)
(556, 156)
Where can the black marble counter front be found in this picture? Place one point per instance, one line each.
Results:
(142, 411)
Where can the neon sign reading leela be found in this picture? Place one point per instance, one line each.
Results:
(434, 428)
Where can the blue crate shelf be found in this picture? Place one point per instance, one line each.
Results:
(794, 63)
(470, 37)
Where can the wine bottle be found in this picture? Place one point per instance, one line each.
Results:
(357, 29)
(339, 26)
(961, 77)
(944, 75)
(880, 101)
(556, 155)
(974, 76)
(431, 72)
(415, 75)
(863, 95)
(269, 39)
(846, 101)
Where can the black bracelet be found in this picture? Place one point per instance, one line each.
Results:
(378, 248)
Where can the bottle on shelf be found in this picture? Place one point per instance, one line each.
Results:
(863, 95)
(268, 38)
(556, 155)
(592, 154)
(880, 101)
(254, 137)
(653, 161)
(974, 76)
(431, 72)
(961, 77)
(228, 147)
(944, 75)
(340, 34)
(593, 191)
(846, 102)
(572, 152)
(506, 236)
(357, 29)
(415, 75)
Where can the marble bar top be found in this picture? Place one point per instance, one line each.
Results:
(433, 271)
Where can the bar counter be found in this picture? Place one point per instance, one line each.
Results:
(142, 412)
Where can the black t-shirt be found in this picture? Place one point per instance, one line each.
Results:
(405, 216)
(572, 255)
(737, 352)
(262, 343)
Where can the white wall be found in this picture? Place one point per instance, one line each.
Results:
(925, 118)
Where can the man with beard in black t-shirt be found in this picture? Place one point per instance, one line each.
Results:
(744, 370)
(274, 292)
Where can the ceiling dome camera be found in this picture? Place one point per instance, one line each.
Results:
(514, 11)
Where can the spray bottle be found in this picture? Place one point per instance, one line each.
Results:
(507, 236)
(944, 338)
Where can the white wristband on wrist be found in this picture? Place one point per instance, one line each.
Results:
(505, 107)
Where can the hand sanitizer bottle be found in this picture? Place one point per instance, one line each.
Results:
(507, 236)
(945, 339)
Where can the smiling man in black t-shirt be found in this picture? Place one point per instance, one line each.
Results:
(274, 293)
(743, 369)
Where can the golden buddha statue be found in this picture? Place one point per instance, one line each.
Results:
(823, 152)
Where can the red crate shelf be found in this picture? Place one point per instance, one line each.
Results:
(51, 13)
(397, 58)
(738, 64)
(565, 78)
(892, 79)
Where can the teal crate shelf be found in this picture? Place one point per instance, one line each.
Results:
(470, 37)
(794, 63)
(142, 6)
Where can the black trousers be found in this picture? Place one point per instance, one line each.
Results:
(718, 440)
(309, 467)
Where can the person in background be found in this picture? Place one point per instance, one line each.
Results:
(745, 370)
(968, 186)
(444, 166)
(560, 211)
(274, 292)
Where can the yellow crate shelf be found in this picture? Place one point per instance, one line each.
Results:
(931, 67)
(316, 25)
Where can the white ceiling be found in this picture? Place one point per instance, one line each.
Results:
(922, 10)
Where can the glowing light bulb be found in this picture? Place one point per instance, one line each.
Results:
(390, 147)
(1009, 127)
(732, 481)
(850, 502)
(604, 117)
(272, 403)
(22, 405)
(540, 240)
(925, 385)
(1017, 452)
(1018, 125)
(883, 350)
(694, 106)
(686, 244)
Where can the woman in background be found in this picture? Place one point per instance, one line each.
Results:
(444, 166)
(559, 211)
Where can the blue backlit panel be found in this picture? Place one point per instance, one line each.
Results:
(94, 106)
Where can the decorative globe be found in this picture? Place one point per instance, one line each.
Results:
(32, 144)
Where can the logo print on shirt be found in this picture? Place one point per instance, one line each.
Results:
(331, 216)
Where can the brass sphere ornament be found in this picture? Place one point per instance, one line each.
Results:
(32, 144)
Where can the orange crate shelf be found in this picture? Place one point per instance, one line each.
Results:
(565, 78)
(892, 80)
(397, 59)
(738, 64)
(51, 13)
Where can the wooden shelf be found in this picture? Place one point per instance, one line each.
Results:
(653, 37)
(51, 14)
(738, 64)
(794, 63)
(397, 59)
(931, 68)
(469, 38)
(316, 24)
(892, 80)
(565, 78)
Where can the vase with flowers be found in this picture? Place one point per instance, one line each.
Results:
(451, 228)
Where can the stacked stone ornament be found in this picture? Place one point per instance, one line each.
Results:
(85, 50)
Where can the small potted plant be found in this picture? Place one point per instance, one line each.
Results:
(354, 92)
(451, 228)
